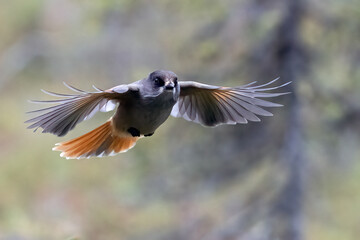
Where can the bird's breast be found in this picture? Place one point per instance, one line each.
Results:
(144, 114)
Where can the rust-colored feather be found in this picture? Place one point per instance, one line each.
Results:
(101, 141)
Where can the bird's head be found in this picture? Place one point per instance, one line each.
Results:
(161, 81)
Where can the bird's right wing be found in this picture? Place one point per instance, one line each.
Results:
(73, 109)
(214, 105)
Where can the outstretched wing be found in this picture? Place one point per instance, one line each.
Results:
(73, 109)
(214, 105)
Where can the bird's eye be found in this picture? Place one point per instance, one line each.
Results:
(175, 81)
(158, 81)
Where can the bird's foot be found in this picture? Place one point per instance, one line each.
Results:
(148, 135)
(134, 132)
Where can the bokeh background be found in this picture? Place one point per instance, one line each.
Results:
(293, 176)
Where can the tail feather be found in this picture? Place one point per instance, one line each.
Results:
(101, 141)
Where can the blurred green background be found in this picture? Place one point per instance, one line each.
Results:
(292, 176)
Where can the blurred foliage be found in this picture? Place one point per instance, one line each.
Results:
(185, 179)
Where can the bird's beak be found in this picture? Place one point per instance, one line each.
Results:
(169, 85)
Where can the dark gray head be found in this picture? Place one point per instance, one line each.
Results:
(161, 80)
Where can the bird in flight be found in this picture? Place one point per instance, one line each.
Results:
(142, 106)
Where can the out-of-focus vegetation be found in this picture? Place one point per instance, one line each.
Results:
(293, 176)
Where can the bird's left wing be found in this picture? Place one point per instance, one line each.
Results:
(73, 109)
(214, 105)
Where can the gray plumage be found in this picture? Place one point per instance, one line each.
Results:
(144, 105)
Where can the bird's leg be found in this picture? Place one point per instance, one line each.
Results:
(134, 132)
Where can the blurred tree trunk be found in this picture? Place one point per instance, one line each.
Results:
(286, 218)
(281, 54)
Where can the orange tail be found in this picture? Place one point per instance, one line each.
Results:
(99, 142)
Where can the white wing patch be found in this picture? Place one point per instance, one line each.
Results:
(108, 106)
